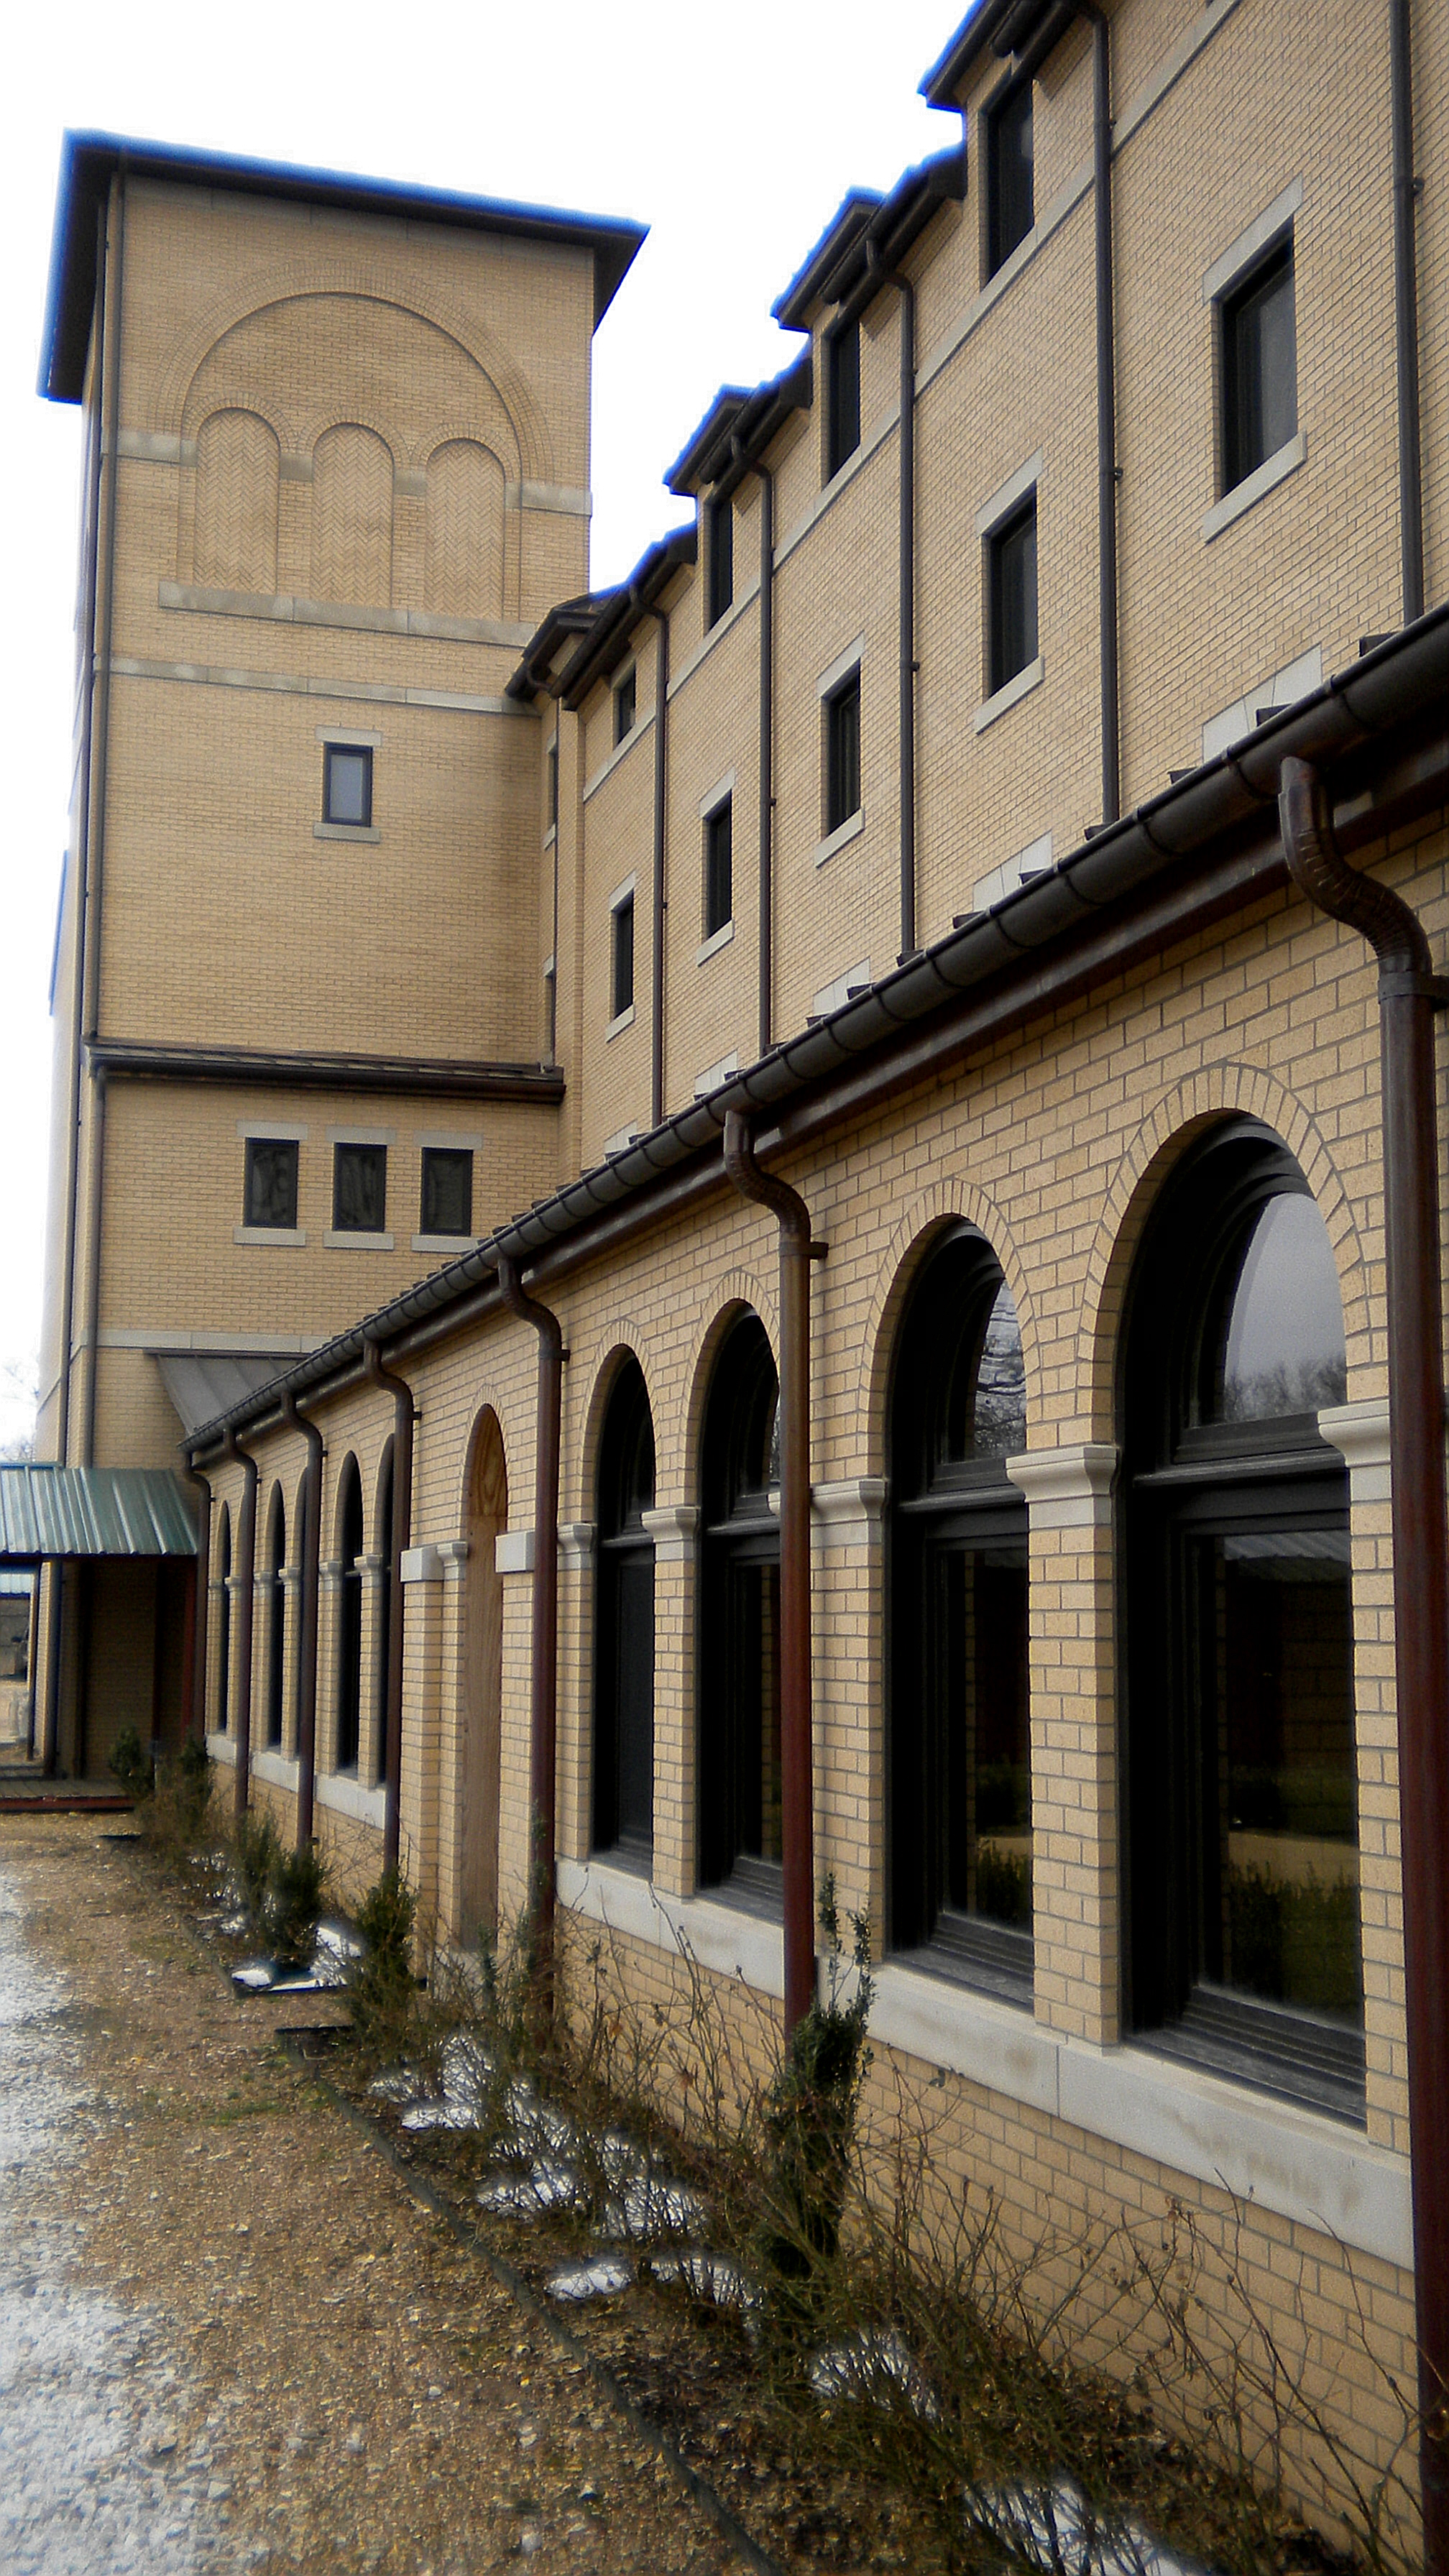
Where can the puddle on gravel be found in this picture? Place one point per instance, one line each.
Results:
(90, 2474)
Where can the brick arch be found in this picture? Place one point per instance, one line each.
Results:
(607, 1349)
(282, 283)
(234, 523)
(1174, 1122)
(737, 1289)
(482, 1399)
(951, 1197)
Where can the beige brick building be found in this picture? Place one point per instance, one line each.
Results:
(917, 808)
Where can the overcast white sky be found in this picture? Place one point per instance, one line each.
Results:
(732, 132)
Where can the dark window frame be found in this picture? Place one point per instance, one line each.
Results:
(1246, 438)
(356, 1147)
(621, 956)
(432, 1157)
(718, 863)
(842, 397)
(625, 703)
(719, 560)
(332, 753)
(351, 1544)
(736, 1814)
(624, 1631)
(1008, 207)
(1011, 590)
(284, 1150)
(551, 763)
(841, 718)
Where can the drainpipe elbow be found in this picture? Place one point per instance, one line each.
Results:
(1320, 872)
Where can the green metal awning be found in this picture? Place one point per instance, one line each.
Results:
(93, 1511)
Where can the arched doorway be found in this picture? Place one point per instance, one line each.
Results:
(624, 1627)
(481, 1696)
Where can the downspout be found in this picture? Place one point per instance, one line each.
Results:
(1406, 307)
(94, 1194)
(1107, 616)
(247, 1585)
(767, 755)
(1409, 995)
(906, 579)
(543, 1729)
(404, 1417)
(656, 998)
(196, 1712)
(797, 1768)
(95, 888)
(307, 1639)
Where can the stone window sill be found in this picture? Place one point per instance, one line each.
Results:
(348, 1242)
(849, 830)
(717, 940)
(269, 1234)
(1254, 487)
(345, 832)
(1019, 686)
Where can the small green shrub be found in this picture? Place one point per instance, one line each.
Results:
(256, 1852)
(192, 1779)
(296, 1895)
(380, 1982)
(809, 2125)
(129, 1766)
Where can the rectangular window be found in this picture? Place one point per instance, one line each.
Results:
(719, 558)
(842, 753)
(270, 1192)
(447, 1201)
(842, 380)
(622, 956)
(1011, 630)
(1259, 372)
(359, 1189)
(346, 783)
(1010, 178)
(625, 702)
(719, 897)
(553, 785)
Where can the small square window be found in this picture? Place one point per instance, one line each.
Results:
(719, 898)
(625, 704)
(359, 1189)
(447, 1201)
(1010, 176)
(719, 558)
(1011, 627)
(347, 783)
(1259, 348)
(842, 753)
(622, 956)
(270, 1190)
(842, 376)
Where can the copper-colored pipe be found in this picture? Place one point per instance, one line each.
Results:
(247, 1587)
(1409, 995)
(543, 1735)
(307, 1638)
(797, 1762)
(404, 1417)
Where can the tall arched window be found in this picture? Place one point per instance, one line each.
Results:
(739, 1697)
(349, 1618)
(223, 1624)
(1241, 1793)
(960, 1738)
(384, 1617)
(624, 1629)
(276, 1614)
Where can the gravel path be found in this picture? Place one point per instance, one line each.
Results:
(228, 2338)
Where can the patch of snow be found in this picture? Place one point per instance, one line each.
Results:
(873, 2364)
(603, 2278)
(547, 2185)
(712, 2277)
(1054, 2528)
(653, 2206)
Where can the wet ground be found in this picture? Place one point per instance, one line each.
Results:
(228, 2337)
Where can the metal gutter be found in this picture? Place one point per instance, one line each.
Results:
(144, 1060)
(844, 229)
(744, 434)
(607, 643)
(1203, 849)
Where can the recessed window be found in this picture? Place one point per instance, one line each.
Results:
(359, 1189)
(347, 783)
(1010, 176)
(1259, 367)
(625, 704)
(624, 1627)
(842, 397)
(553, 785)
(270, 1192)
(842, 753)
(447, 1200)
(740, 1777)
(621, 958)
(719, 526)
(1011, 630)
(719, 897)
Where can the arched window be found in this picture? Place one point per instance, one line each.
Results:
(960, 1739)
(276, 1614)
(739, 1698)
(349, 1618)
(624, 1627)
(384, 1617)
(223, 1623)
(1241, 1794)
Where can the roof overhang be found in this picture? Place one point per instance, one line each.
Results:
(1025, 29)
(89, 162)
(93, 1511)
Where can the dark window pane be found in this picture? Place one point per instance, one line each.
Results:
(1010, 186)
(1011, 598)
(349, 1641)
(842, 755)
(623, 957)
(718, 869)
(842, 360)
(447, 1206)
(347, 793)
(625, 697)
(721, 550)
(985, 1811)
(1283, 1348)
(739, 1740)
(271, 1181)
(553, 784)
(1260, 370)
(359, 1189)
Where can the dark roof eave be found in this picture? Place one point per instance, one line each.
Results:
(89, 161)
(684, 476)
(564, 623)
(1396, 683)
(748, 431)
(1025, 30)
(608, 641)
(845, 226)
(899, 223)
